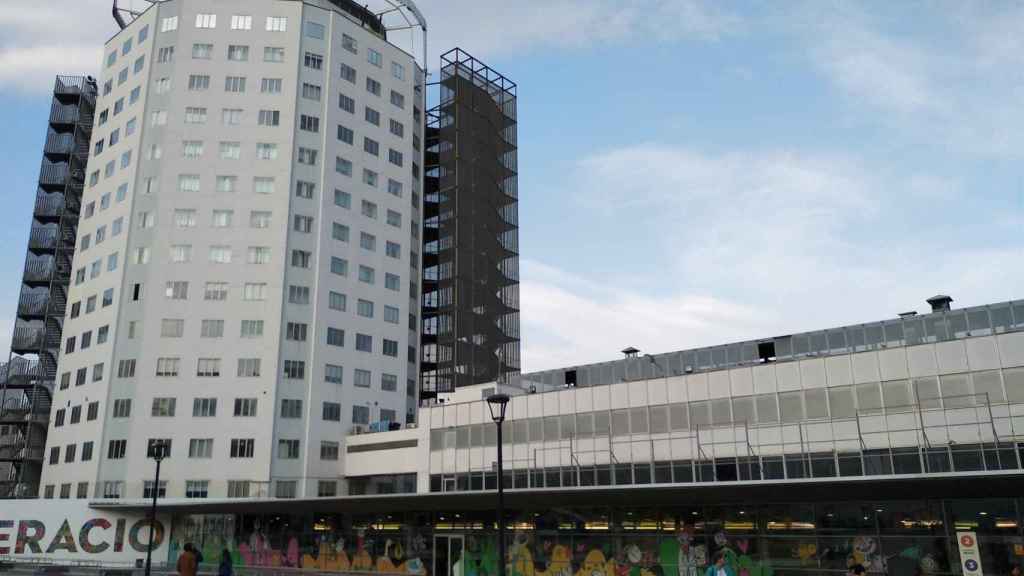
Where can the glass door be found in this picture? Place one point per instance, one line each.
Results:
(448, 555)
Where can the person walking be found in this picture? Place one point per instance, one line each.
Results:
(720, 568)
(225, 568)
(187, 565)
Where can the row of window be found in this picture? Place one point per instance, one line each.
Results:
(102, 335)
(126, 45)
(238, 22)
(892, 397)
(197, 489)
(90, 303)
(122, 75)
(170, 366)
(92, 413)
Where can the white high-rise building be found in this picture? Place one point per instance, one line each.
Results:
(246, 274)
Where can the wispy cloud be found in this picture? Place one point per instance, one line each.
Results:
(751, 244)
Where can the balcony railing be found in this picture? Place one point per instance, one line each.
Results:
(42, 238)
(64, 113)
(49, 205)
(53, 173)
(20, 450)
(27, 338)
(33, 304)
(20, 410)
(60, 143)
(39, 269)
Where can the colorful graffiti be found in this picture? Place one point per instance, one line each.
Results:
(90, 538)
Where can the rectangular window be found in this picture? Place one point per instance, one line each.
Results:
(371, 146)
(238, 53)
(337, 301)
(197, 488)
(168, 24)
(186, 183)
(310, 91)
(372, 86)
(172, 328)
(397, 71)
(245, 407)
(254, 291)
(116, 449)
(298, 295)
(273, 54)
(393, 249)
(195, 115)
(342, 199)
(309, 123)
(212, 329)
(398, 99)
(349, 43)
(200, 448)
(248, 367)
(339, 266)
(294, 369)
(345, 135)
(342, 166)
(394, 219)
(301, 258)
(259, 219)
(277, 24)
(291, 408)
(348, 73)
(303, 224)
(335, 337)
(394, 157)
(361, 414)
(192, 149)
(269, 118)
(220, 254)
(241, 22)
(252, 328)
(390, 348)
(339, 232)
(367, 241)
(331, 412)
(206, 20)
(304, 190)
(163, 407)
(230, 150)
(231, 116)
(204, 407)
(307, 156)
(288, 449)
(395, 188)
(391, 314)
(333, 374)
(266, 151)
(198, 82)
(122, 408)
(242, 447)
(388, 382)
(270, 85)
(397, 128)
(296, 331)
(176, 290)
(234, 84)
(168, 366)
(258, 255)
(347, 104)
(364, 343)
(263, 185)
(314, 30)
(372, 116)
(328, 450)
(369, 209)
(392, 282)
(364, 308)
(313, 61)
(374, 57)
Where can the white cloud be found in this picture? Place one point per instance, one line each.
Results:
(752, 244)
(39, 40)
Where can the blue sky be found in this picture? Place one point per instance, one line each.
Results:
(693, 172)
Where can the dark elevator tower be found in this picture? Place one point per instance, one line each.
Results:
(470, 230)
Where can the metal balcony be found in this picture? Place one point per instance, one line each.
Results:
(38, 270)
(60, 143)
(41, 238)
(54, 174)
(49, 206)
(28, 339)
(16, 411)
(20, 450)
(33, 305)
(64, 113)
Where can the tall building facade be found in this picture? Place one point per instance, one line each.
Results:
(26, 387)
(245, 287)
(471, 230)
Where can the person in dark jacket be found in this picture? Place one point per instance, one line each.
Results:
(225, 568)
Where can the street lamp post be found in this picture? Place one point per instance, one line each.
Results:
(156, 452)
(497, 404)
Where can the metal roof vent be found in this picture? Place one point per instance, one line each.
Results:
(940, 303)
(631, 352)
(910, 314)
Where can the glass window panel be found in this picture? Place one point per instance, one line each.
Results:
(791, 406)
(1013, 378)
(869, 397)
(679, 417)
(956, 391)
(896, 396)
(767, 408)
(536, 429)
(978, 322)
(520, 431)
(927, 391)
(815, 403)
(659, 419)
(840, 400)
(602, 423)
(720, 411)
(551, 428)
(743, 409)
(638, 421)
(568, 427)
(1001, 317)
(584, 425)
(620, 423)
(988, 386)
(700, 414)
